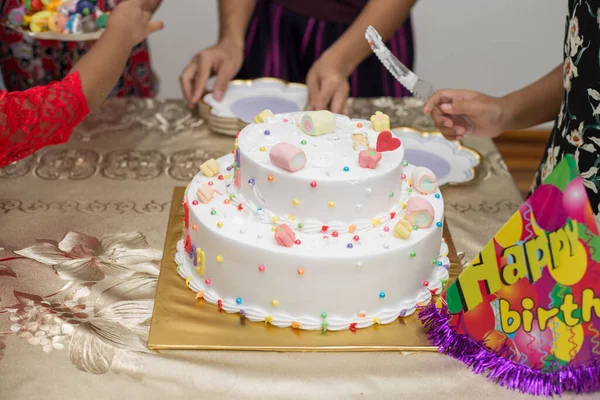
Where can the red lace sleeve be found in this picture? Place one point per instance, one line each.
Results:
(39, 117)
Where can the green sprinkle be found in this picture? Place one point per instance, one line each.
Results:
(303, 142)
(415, 228)
(434, 261)
(409, 190)
(324, 326)
(300, 225)
(323, 315)
(231, 196)
(412, 254)
(405, 163)
(391, 194)
(213, 212)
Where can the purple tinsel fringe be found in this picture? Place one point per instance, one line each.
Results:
(507, 373)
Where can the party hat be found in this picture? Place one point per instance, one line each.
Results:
(526, 311)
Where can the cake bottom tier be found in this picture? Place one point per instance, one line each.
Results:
(325, 295)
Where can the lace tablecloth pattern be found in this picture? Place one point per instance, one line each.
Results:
(82, 230)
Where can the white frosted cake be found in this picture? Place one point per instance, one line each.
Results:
(326, 230)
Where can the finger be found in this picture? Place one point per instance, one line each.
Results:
(339, 101)
(346, 109)
(442, 97)
(155, 26)
(440, 120)
(224, 75)
(312, 84)
(460, 107)
(202, 74)
(186, 80)
(323, 98)
(146, 16)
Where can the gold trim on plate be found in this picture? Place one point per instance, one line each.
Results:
(181, 322)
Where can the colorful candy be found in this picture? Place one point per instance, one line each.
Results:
(369, 158)
(419, 212)
(287, 157)
(263, 116)
(424, 180)
(205, 193)
(284, 235)
(317, 123)
(210, 168)
(380, 122)
(403, 229)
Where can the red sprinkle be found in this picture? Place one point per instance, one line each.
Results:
(238, 134)
(220, 304)
(324, 228)
(220, 177)
(356, 238)
(433, 291)
(285, 120)
(353, 327)
(334, 234)
(240, 207)
(403, 176)
(210, 183)
(425, 283)
(392, 215)
(195, 202)
(313, 184)
(298, 241)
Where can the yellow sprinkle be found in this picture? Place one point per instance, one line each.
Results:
(262, 149)
(376, 320)
(331, 204)
(272, 229)
(219, 224)
(268, 319)
(275, 219)
(376, 222)
(187, 281)
(200, 258)
(291, 218)
(403, 204)
(200, 294)
(219, 258)
(296, 325)
(295, 202)
(351, 228)
(274, 302)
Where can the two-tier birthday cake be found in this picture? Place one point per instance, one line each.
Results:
(317, 222)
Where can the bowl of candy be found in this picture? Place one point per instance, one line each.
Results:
(66, 20)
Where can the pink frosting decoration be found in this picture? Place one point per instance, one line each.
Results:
(288, 157)
(284, 235)
(369, 158)
(419, 212)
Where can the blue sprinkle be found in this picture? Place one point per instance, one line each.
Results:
(346, 168)
(229, 168)
(259, 209)
(439, 224)
(437, 195)
(267, 132)
(238, 300)
(382, 294)
(349, 245)
(251, 182)
(440, 263)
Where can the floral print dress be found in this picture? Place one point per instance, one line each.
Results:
(577, 128)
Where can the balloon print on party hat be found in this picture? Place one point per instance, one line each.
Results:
(526, 311)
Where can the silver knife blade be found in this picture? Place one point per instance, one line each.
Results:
(420, 88)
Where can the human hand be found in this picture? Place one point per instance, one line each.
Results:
(151, 5)
(224, 59)
(132, 21)
(488, 115)
(328, 87)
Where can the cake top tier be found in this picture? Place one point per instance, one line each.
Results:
(341, 171)
(331, 156)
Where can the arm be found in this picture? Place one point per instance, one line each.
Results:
(234, 17)
(536, 103)
(384, 15)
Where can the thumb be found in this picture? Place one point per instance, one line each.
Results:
(155, 26)
(442, 97)
(224, 76)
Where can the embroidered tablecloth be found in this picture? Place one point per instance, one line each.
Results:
(82, 226)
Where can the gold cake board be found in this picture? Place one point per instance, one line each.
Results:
(181, 322)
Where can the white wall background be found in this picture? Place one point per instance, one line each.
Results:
(491, 46)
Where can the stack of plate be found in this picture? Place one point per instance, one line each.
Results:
(244, 99)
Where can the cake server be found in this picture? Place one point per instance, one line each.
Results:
(420, 88)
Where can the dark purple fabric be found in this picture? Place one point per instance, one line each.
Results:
(342, 11)
(283, 44)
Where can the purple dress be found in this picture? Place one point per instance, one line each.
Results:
(285, 38)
